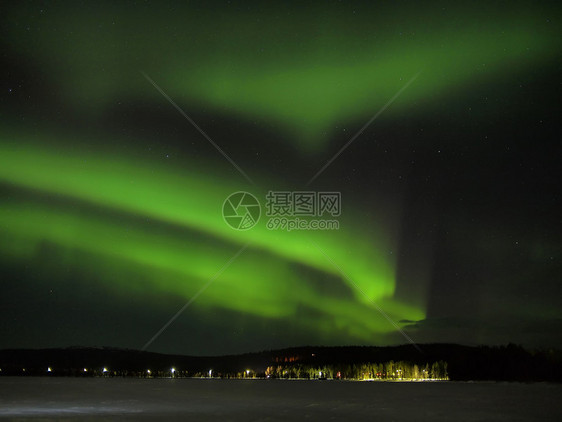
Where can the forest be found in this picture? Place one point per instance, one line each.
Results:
(390, 371)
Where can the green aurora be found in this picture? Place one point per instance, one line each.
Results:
(305, 74)
(117, 212)
(179, 261)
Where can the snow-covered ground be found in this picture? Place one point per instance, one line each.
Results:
(244, 400)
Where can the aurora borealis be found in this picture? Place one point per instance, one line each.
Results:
(110, 211)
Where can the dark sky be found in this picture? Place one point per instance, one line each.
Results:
(126, 127)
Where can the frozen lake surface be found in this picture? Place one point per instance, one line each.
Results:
(275, 400)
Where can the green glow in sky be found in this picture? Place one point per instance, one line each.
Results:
(265, 281)
(306, 75)
(118, 211)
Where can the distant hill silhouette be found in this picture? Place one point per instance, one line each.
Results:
(507, 363)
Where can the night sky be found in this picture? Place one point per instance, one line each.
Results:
(111, 199)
